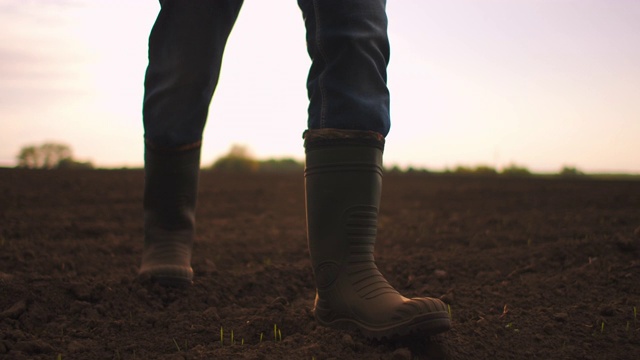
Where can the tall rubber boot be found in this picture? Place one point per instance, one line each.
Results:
(171, 184)
(343, 183)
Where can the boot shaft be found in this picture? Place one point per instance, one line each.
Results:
(170, 190)
(171, 186)
(343, 184)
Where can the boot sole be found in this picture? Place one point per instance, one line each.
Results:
(427, 325)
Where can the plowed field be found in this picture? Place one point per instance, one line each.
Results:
(531, 267)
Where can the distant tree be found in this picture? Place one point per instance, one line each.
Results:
(29, 157)
(462, 170)
(70, 164)
(480, 170)
(484, 170)
(238, 159)
(280, 165)
(515, 170)
(569, 171)
(45, 156)
(395, 169)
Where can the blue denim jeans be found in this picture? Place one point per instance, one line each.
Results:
(347, 84)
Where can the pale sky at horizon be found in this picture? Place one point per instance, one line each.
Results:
(538, 83)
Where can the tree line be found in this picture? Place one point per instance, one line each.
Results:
(50, 155)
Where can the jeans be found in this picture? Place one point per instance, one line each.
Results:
(347, 83)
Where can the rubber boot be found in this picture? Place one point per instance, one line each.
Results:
(171, 183)
(343, 183)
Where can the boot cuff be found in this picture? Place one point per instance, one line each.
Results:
(319, 138)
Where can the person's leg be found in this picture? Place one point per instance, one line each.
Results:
(348, 120)
(349, 48)
(185, 54)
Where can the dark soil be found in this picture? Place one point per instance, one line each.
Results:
(531, 267)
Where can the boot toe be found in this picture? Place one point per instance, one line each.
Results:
(399, 317)
(416, 307)
(427, 316)
(419, 316)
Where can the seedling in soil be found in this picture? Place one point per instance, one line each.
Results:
(449, 308)
(602, 327)
(277, 336)
(512, 326)
(177, 346)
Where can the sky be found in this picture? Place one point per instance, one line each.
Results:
(538, 83)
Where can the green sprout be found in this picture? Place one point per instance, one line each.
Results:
(449, 308)
(275, 332)
(602, 326)
(221, 336)
(176, 343)
(261, 335)
(232, 342)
